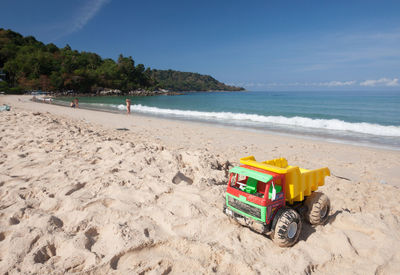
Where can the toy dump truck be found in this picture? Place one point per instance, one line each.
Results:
(270, 196)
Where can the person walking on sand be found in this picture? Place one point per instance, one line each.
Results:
(128, 106)
(76, 103)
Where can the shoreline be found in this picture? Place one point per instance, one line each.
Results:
(295, 133)
(26, 100)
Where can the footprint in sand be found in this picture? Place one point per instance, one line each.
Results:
(75, 188)
(92, 236)
(13, 221)
(54, 223)
(44, 254)
(170, 256)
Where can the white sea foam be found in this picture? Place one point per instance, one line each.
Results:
(328, 124)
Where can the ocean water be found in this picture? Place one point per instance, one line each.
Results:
(366, 118)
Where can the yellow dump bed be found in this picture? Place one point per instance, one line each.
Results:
(299, 182)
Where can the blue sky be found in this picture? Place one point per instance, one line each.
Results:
(261, 45)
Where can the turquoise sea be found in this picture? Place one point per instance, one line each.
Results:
(368, 118)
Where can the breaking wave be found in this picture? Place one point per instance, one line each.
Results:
(242, 118)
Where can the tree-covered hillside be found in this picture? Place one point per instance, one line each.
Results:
(29, 64)
(184, 81)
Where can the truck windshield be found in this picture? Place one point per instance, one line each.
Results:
(248, 185)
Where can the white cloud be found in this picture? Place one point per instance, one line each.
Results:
(336, 83)
(247, 84)
(83, 15)
(381, 82)
(254, 84)
(86, 13)
(316, 84)
(393, 82)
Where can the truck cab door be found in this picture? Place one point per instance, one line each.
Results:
(276, 199)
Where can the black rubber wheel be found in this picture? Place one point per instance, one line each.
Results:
(287, 228)
(318, 207)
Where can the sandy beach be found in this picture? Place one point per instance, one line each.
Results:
(84, 191)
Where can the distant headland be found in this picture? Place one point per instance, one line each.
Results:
(27, 64)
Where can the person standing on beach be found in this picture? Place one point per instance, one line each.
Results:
(76, 103)
(128, 106)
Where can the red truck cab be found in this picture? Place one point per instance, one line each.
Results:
(255, 193)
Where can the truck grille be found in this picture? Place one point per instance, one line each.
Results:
(246, 208)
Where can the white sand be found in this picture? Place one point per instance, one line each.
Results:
(77, 195)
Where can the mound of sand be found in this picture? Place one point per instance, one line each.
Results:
(81, 198)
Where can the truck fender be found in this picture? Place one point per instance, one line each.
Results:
(275, 219)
